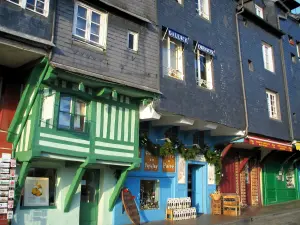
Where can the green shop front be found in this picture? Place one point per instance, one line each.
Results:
(280, 177)
(70, 135)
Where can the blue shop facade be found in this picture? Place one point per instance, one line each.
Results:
(158, 179)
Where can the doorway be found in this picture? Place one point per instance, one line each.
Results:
(196, 187)
(89, 197)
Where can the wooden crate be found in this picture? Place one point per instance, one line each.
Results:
(231, 200)
(169, 214)
(231, 210)
(216, 207)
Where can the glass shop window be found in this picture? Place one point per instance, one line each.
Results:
(39, 188)
(149, 192)
(72, 114)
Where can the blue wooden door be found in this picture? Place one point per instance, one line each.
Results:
(198, 189)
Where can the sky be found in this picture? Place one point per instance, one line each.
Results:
(297, 10)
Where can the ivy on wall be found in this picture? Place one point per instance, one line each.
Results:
(175, 146)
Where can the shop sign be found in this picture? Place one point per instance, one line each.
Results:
(4, 188)
(10, 214)
(4, 182)
(36, 191)
(178, 36)
(2, 170)
(3, 211)
(151, 162)
(3, 205)
(169, 164)
(206, 49)
(269, 144)
(4, 176)
(4, 165)
(181, 170)
(3, 199)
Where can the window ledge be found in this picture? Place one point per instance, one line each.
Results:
(82, 43)
(275, 120)
(37, 207)
(206, 89)
(203, 18)
(173, 78)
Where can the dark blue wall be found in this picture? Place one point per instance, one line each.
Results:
(260, 79)
(224, 104)
(291, 27)
(15, 18)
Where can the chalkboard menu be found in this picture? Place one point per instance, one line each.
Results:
(151, 162)
(130, 206)
(169, 164)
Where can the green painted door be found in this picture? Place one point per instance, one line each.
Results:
(89, 197)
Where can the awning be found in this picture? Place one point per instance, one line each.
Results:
(268, 143)
(205, 49)
(178, 36)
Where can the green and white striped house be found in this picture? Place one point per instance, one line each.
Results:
(69, 117)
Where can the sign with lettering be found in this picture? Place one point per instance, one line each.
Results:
(211, 174)
(269, 144)
(3, 211)
(3, 170)
(178, 36)
(181, 170)
(130, 206)
(3, 205)
(169, 164)
(151, 162)
(5, 165)
(3, 199)
(206, 49)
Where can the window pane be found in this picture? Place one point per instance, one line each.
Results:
(80, 108)
(203, 67)
(95, 29)
(80, 33)
(81, 23)
(130, 41)
(94, 38)
(64, 120)
(95, 18)
(30, 4)
(81, 12)
(173, 55)
(40, 7)
(149, 193)
(65, 104)
(79, 123)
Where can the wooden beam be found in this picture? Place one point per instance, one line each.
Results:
(118, 187)
(74, 185)
(21, 181)
(243, 163)
(226, 150)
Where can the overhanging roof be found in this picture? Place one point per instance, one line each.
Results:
(291, 4)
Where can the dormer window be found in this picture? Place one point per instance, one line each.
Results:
(259, 11)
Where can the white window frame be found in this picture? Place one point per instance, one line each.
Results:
(22, 4)
(102, 25)
(180, 1)
(177, 72)
(259, 11)
(208, 83)
(135, 40)
(204, 8)
(268, 57)
(298, 49)
(273, 105)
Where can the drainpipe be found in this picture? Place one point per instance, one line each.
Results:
(240, 11)
(286, 89)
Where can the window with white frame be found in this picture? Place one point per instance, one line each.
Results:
(173, 57)
(90, 24)
(259, 11)
(273, 104)
(38, 6)
(203, 8)
(298, 49)
(204, 76)
(133, 40)
(268, 57)
(180, 1)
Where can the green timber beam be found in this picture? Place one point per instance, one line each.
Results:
(115, 195)
(26, 102)
(104, 92)
(21, 181)
(75, 182)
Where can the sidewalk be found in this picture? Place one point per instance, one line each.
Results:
(248, 215)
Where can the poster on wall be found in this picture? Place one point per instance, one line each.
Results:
(169, 164)
(151, 162)
(181, 170)
(211, 174)
(36, 191)
(290, 178)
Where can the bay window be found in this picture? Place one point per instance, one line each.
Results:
(72, 114)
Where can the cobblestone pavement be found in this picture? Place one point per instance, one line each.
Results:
(281, 214)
